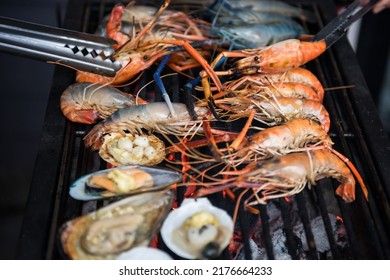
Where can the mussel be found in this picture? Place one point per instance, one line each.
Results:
(125, 149)
(116, 228)
(197, 230)
(123, 180)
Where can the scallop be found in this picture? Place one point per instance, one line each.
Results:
(197, 230)
(126, 149)
(117, 228)
(123, 180)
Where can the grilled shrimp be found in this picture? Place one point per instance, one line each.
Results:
(87, 103)
(287, 175)
(296, 75)
(159, 37)
(254, 35)
(114, 25)
(282, 139)
(292, 136)
(294, 90)
(277, 110)
(279, 57)
(276, 7)
(150, 117)
(256, 90)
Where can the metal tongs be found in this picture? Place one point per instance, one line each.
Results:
(337, 27)
(78, 50)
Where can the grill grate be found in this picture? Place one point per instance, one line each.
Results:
(285, 228)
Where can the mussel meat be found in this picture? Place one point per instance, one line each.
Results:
(123, 180)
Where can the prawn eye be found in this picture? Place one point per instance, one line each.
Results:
(145, 57)
(256, 58)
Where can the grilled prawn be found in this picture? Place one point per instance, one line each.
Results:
(295, 76)
(87, 102)
(275, 111)
(287, 175)
(150, 117)
(292, 136)
(282, 139)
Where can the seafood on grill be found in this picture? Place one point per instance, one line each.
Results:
(249, 9)
(288, 174)
(273, 111)
(294, 76)
(197, 230)
(254, 35)
(244, 11)
(123, 181)
(150, 117)
(276, 58)
(106, 233)
(126, 21)
(87, 103)
(292, 136)
(293, 90)
(280, 57)
(255, 90)
(126, 149)
(158, 38)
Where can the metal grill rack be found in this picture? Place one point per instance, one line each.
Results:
(311, 225)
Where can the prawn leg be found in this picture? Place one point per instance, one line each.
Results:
(200, 59)
(157, 79)
(188, 88)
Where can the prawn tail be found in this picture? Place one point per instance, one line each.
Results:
(345, 189)
(311, 50)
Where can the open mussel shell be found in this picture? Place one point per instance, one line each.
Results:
(108, 232)
(145, 179)
(197, 230)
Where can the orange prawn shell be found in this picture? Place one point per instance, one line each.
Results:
(298, 168)
(133, 63)
(281, 57)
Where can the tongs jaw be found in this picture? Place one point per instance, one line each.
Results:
(81, 51)
(337, 27)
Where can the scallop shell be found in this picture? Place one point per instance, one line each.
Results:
(115, 153)
(161, 179)
(175, 221)
(116, 228)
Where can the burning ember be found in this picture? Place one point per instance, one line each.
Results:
(280, 248)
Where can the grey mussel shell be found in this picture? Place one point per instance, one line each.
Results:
(106, 233)
(160, 178)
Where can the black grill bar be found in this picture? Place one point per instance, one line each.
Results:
(304, 215)
(285, 227)
(266, 232)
